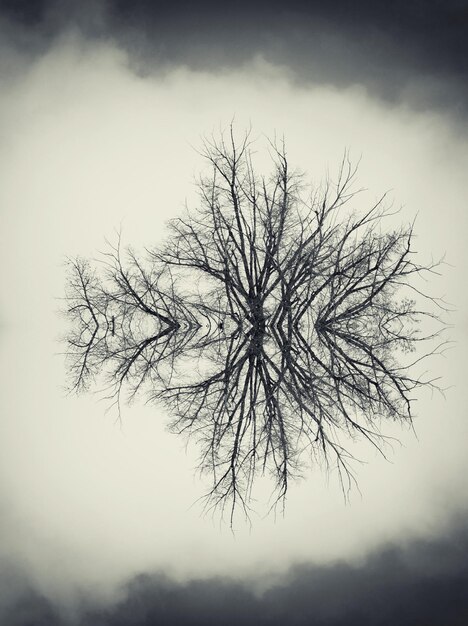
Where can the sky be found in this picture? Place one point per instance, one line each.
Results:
(102, 107)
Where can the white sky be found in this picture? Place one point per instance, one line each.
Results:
(85, 146)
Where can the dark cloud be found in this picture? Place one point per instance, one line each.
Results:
(424, 583)
(412, 51)
(23, 605)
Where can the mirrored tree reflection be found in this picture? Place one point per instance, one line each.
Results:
(275, 322)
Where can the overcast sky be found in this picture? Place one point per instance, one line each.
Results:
(101, 105)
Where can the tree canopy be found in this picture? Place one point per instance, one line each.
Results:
(275, 321)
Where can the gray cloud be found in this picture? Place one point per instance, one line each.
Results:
(21, 604)
(423, 582)
(414, 52)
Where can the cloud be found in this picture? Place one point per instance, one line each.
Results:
(413, 52)
(423, 582)
(21, 603)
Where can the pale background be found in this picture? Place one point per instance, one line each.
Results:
(86, 146)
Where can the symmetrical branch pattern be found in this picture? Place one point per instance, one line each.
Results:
(274, 322)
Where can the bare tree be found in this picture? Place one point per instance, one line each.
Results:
(124, 323)
(312, 309)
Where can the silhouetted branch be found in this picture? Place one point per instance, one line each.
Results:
(273, 322)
